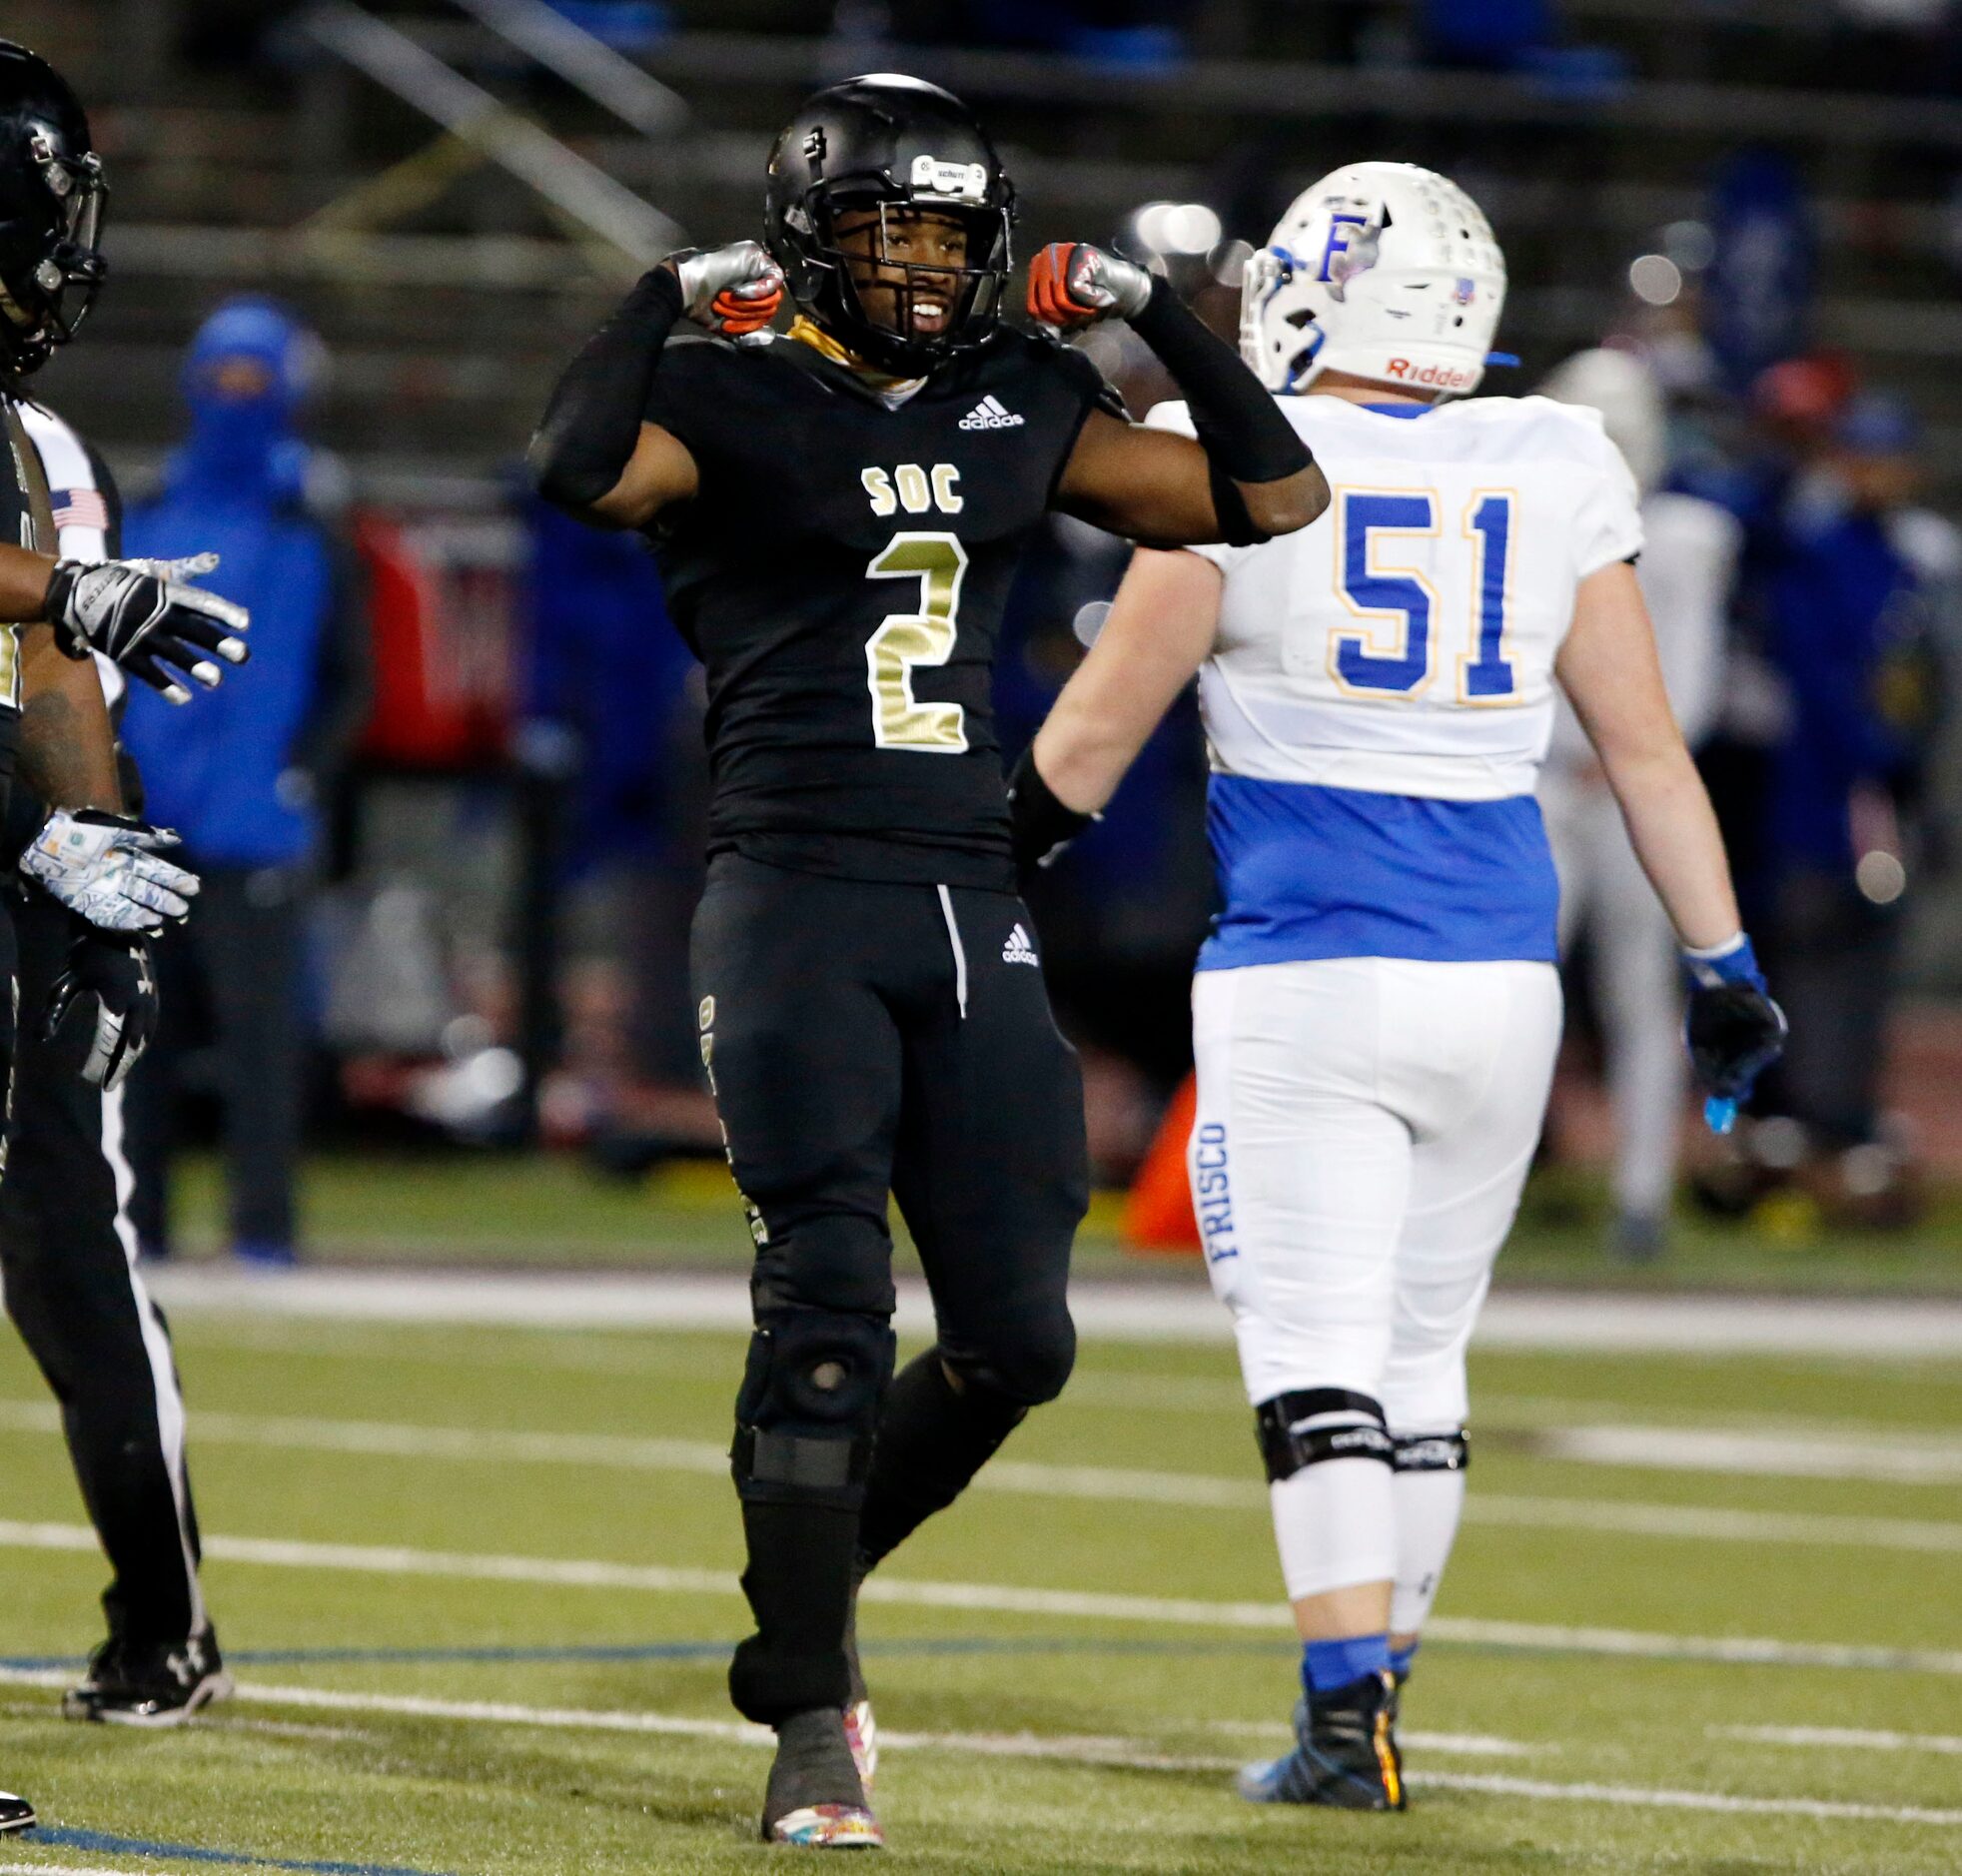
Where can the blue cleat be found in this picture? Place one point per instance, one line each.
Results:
(1345, 1754)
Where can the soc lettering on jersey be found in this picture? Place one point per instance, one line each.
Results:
(1406, 642)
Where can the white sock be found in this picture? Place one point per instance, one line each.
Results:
(1335, 1525)
(1428, 1505)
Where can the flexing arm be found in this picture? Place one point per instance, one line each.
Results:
(594, 455)
(1248, 478)
(1160, 631)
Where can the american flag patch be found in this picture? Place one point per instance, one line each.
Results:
(81, 507)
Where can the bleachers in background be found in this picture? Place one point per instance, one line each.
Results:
(449, 291)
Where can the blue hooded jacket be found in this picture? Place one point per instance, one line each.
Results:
(213, 768)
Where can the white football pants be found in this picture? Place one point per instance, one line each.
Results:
(1635, 980)
(1364, 1126)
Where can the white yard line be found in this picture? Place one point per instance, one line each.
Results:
(1121, 1751)
(1841, 1738)
(710, 1458)
(63, 1869)
(1898, 1458)
(1503, 1784)
(1138, 1309)
(1005, 1599)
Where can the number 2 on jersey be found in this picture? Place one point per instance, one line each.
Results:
(906, 640)
(1370, 591)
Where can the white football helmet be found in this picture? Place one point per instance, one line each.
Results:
(1383, 270)
(1622, 388)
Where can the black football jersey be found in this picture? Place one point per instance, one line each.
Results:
(841, 574)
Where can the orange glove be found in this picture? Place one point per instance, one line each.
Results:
(1072, 285)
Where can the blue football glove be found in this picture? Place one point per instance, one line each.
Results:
(1733, 1029)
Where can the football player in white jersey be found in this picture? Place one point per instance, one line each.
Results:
(1376, 1012)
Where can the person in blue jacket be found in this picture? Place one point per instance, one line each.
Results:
(243, 782)
(1852, 633)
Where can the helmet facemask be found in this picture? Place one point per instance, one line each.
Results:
(899, 313)
(47, 298)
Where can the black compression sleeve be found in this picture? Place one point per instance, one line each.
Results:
(1238, 420)
(593, 420)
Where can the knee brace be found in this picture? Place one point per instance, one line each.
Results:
(1317, 1423)
(1431, 1452)
(809, 1405)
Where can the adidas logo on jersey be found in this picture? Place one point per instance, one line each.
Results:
(992, 413)
(1018, 949)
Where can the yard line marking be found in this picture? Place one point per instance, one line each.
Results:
(1840, 1737)
(1174, 1308)
(710, 1458)
(68, 1838)
(1005, 1599)
(1713, 1524)
(61, 1869)
(1503, 1784)
(1899, 1459)
(1125, 1752)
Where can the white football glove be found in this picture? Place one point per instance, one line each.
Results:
(734, 290)
(105, 869)
(141, 615)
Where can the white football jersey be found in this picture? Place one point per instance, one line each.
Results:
(1404, 643)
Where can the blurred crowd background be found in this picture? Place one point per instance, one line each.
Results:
(450, 818)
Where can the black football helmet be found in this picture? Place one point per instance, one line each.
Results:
(889, 143)
(51, 200)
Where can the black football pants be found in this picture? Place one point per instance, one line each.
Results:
(867, 1039)
(68, 1255)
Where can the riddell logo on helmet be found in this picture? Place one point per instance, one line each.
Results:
(1445, 376)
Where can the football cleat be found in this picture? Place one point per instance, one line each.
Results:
(159, 1685)
(15, 1814)
(1345, 1754)
(817, 1799)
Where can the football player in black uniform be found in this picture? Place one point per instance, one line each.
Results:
(98, 884)
(839, 514)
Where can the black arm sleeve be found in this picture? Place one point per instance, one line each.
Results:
(1239, 424)
(593, 420)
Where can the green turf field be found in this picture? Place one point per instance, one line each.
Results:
(478, 1589)
(511, 1210)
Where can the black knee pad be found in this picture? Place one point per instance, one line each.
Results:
(1432, 1452)
(1027, 1364)
(808, 1406)
(1317, 1423)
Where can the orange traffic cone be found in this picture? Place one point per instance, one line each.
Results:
(1157, 1215)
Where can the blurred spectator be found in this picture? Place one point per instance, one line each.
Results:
(608, 669)
(1688, 566)
(1853, 636)
(241, 773)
